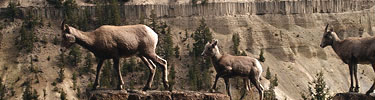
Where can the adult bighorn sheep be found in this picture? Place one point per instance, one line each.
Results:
(228, 66)
(352, 51)
(115, 42)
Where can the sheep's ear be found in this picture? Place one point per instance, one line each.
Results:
(214, 43)
(67, 28)
(62, 25)
(70, 38)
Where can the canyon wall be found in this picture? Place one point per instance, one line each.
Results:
(220, 9)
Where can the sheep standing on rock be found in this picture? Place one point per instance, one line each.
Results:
(115, 42)
(352, 51)
(228, 66)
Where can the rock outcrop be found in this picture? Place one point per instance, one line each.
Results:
(154, 95)
(353, 96)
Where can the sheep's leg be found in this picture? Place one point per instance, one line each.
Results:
(245, 82)
(259, 86)
(356, 89)
(163, 63)
(152, 72)
(373, 85)
(215, 82)
(351, 69)
(116, 66)
(99, 66)
(227, 85)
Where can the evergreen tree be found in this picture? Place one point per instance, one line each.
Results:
(70, 12)
(108, 14)
(28, 94)
(107, 77)
(115, 13)
(87, 65)
(61, 59)
(61, 75)
(202, 35)
(318, 89)
(57, 3)
(236, 43)
(172, 77)
(168, 44)
(270, 93)
(12, 11)
(177, 51)
(261, 57)
(2, 90)
(268, 73)
(63, 95)
(74, 56)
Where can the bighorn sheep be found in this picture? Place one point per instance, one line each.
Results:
(115, 42)
(352, 51)
(228, 66)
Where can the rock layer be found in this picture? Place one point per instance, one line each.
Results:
(154, 95)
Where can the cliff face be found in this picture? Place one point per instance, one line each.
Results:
(136, 12)
(288, 31)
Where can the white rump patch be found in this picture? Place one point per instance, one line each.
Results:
(152, 34)
(259, 66)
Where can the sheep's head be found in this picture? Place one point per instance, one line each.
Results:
(210, 49)
(68, 39)
(327, 38)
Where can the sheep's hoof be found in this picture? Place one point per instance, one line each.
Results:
(120, 87)
(166, 86)
(94, 87)
(145, 88)
(212, 90)
(368, 93)
(351, 89)
(356, 89)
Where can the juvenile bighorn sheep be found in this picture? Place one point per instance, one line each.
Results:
(352, 51)
(228, 66)
(115, 42)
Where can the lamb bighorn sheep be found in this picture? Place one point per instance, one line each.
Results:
(352, 51)
(115, 42)
(228, 66)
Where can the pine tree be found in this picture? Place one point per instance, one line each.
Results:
(177, 51)
(12, 11)
(261, 57)
(268, 73)
(2, 90)
(172, 77)
(87, 65)
(61, 75)
(61, 59)
(168, 44)
(28, 94)
(202, 35)
(115, 13)
(75, 56)
(318, 89)
(236, 43)
(63, 95)
(70, 12)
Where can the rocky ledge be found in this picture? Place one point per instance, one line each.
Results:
(353, 96)
(154, 95)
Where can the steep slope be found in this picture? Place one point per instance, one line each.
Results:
(290, 41)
